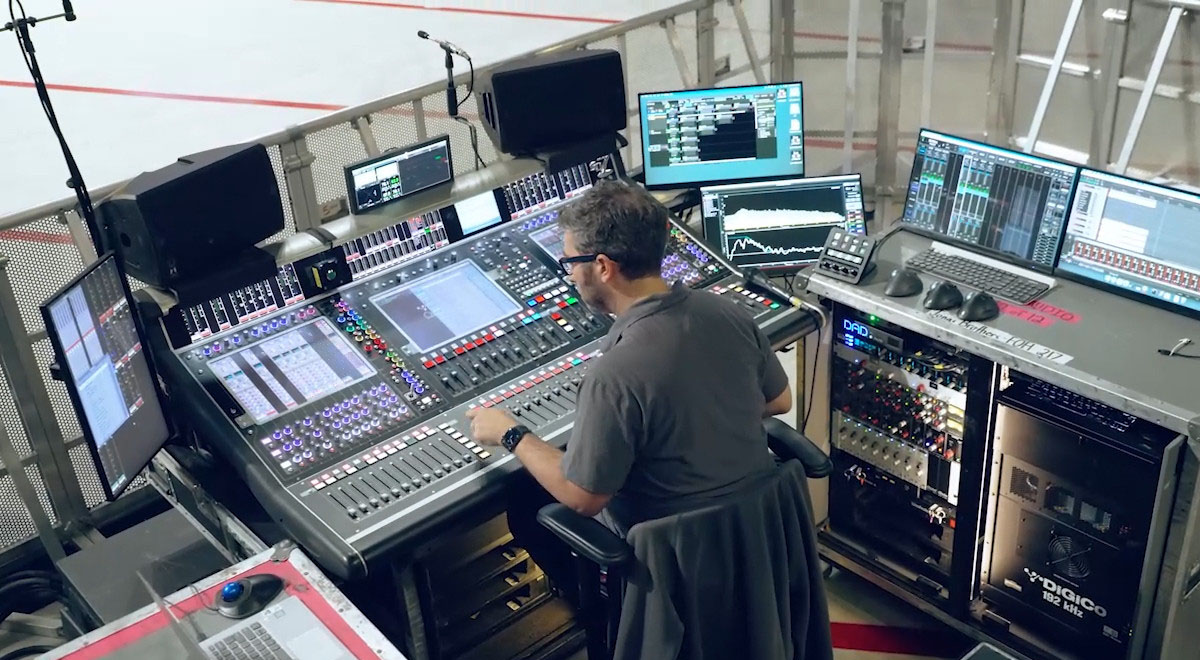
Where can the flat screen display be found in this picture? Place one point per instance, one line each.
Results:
(393, 176)
(709, 136)
(97, 341)
(444, 305)
(291, 369)
(781, 225)
(989, 199)
(1136, 238)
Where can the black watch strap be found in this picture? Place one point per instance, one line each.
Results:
(513, 436)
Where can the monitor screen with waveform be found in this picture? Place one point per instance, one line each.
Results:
(781, 225)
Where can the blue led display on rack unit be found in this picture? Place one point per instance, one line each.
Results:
(708, 136)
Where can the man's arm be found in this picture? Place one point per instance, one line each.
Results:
(544, 461)
(780, 404)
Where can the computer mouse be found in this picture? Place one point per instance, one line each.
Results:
(249, 595)
(943, 295)
(904, 282)
(979, 306)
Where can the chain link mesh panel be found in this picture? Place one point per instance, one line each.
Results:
(42, 258)
(396, 127)
(289, 221)
(15, 522)
(334, 148)
(11, 420)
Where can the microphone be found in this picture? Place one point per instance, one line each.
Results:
(446, 45)
(68, 10)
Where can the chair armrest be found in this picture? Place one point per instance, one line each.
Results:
(788, 443)
(585, 536)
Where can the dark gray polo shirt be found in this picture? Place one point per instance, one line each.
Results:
(671, 415)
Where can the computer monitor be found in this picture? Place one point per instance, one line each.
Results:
(1004, 203)
(781, 225)
(1135, 238)
(479, 212)
(393, 176)
(101, 351)
(731, 134)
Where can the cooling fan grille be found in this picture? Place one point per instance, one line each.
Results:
(1069, 557)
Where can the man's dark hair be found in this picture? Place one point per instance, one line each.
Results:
(622, 222)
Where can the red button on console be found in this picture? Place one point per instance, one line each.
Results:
(439, 359)
(459, 350)
(429, 364)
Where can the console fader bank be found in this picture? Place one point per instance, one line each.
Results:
(338, 389)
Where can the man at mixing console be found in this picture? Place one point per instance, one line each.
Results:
(670, 416)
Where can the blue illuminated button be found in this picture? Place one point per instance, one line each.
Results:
(232, 591)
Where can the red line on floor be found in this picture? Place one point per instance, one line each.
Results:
(34, 236)
(202, 98)
(891, 639)
(480, 12)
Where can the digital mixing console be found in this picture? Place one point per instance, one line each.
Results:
(343, 407)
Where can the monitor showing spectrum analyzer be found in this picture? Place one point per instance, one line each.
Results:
(781, 225)
(725, 135)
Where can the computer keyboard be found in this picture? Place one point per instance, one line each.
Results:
(250, 643)
(999, 283)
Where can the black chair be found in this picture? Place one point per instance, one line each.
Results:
(598, 551)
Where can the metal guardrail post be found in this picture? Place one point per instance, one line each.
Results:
(1178, 7)
(706, 45)
(1002, 75)
(851, 112)
(685, 72)
(80, 235)
(36, 411)
(28, 497)
(783, 40)
(418, 106)
(931, 9)
(1060, 54)
(1115, 42)
(301, 188)
(888, 127)
(367, 134)
(623, 51)
(739, 15)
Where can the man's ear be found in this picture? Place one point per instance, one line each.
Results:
(607, 267)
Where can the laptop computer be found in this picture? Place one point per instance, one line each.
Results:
(284, 630)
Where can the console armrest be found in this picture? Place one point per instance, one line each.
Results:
(788, 443)
(586, 537)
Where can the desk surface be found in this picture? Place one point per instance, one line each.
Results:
(1085, 340)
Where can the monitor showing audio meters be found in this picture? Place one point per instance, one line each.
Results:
(703, 137)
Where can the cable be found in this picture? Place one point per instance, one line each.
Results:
(812, 383)
(471, 84)
(21, 29)
(1167, 352)
(470, 127)
(27, 651)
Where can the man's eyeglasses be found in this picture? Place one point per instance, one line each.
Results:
(566, 263)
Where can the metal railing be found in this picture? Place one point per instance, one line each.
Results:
(43, 247)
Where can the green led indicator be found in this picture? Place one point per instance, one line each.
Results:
(873, 319)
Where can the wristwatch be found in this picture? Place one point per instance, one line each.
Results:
(513, 436)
